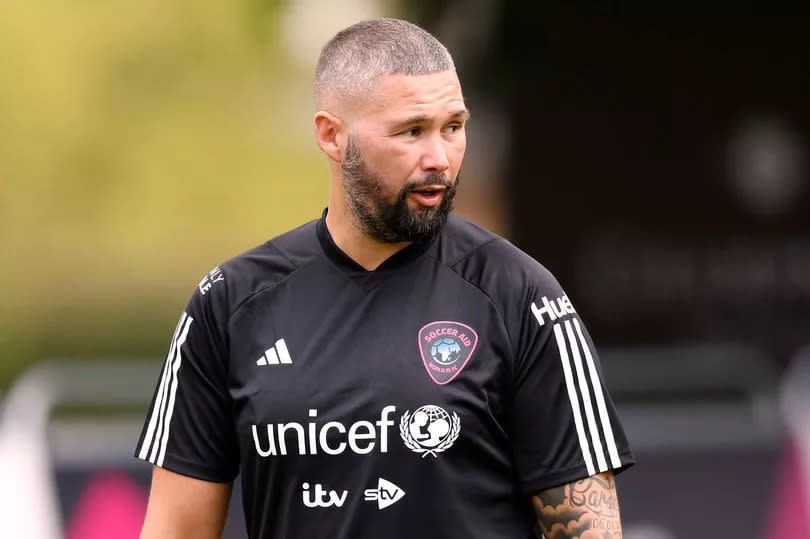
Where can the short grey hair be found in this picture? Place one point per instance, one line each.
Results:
(359, 54)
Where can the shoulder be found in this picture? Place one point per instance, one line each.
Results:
(229, 284)
(492, 262)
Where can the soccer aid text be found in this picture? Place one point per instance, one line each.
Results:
(450, 332)
(332, 438)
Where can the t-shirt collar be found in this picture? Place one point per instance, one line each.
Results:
(345, 262)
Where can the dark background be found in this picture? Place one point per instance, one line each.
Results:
(620, 174)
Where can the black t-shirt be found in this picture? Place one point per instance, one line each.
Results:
(428, 398)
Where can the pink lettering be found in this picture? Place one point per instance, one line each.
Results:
(442, 370)
(430, 337)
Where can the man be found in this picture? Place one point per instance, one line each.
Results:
(387, 370)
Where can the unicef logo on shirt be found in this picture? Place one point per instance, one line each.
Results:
(446, 348)
(429, 429)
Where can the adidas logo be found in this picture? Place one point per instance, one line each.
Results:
(276, 355)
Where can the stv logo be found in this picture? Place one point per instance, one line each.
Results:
(386, 494)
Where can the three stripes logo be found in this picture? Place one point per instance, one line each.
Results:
(153, 448)
(275, 355)
(582, 382)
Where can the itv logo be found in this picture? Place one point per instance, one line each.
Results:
(322, 497)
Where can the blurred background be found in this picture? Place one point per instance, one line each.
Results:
(656, 163)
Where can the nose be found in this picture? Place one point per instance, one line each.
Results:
(434, 156)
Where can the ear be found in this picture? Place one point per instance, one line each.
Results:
(330, 134)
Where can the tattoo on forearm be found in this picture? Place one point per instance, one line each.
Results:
(587, 509)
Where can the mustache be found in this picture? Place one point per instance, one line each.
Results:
(430, 179)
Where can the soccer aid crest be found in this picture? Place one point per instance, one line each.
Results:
(446, 348)
(429, 429)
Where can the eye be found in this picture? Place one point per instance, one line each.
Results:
(413, 131)
(454, 127)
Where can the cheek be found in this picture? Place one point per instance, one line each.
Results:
(456, 152)
(395, 163)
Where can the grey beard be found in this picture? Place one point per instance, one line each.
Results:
(391, 222)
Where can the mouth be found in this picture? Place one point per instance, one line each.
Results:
(429, 195)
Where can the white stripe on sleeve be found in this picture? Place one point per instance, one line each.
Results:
(170, 410)
(607, 429)
(586, 398)
(572, 396)
(164, 397)
(159, 397)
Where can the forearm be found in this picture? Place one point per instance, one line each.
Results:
(586, 509)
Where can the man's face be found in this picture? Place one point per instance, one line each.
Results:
(403, 155)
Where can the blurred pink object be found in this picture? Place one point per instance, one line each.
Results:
(112, 506)
(789, 518)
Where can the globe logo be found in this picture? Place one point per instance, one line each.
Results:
(445, 351)
(429, 430)
(429, 425)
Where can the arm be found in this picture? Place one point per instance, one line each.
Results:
(182, 507)
(189, 433)
(585, 509)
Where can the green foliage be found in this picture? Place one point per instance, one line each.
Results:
(141, 143)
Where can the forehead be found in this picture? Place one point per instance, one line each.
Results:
(396, 96)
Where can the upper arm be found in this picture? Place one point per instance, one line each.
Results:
(190, 427)
(189, 432)
(182, 507)
(564, 425)
(584, 509)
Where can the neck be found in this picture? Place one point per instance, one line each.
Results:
(359, 246)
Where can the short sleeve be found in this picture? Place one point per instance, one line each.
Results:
(565, 426)
(189, 428)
